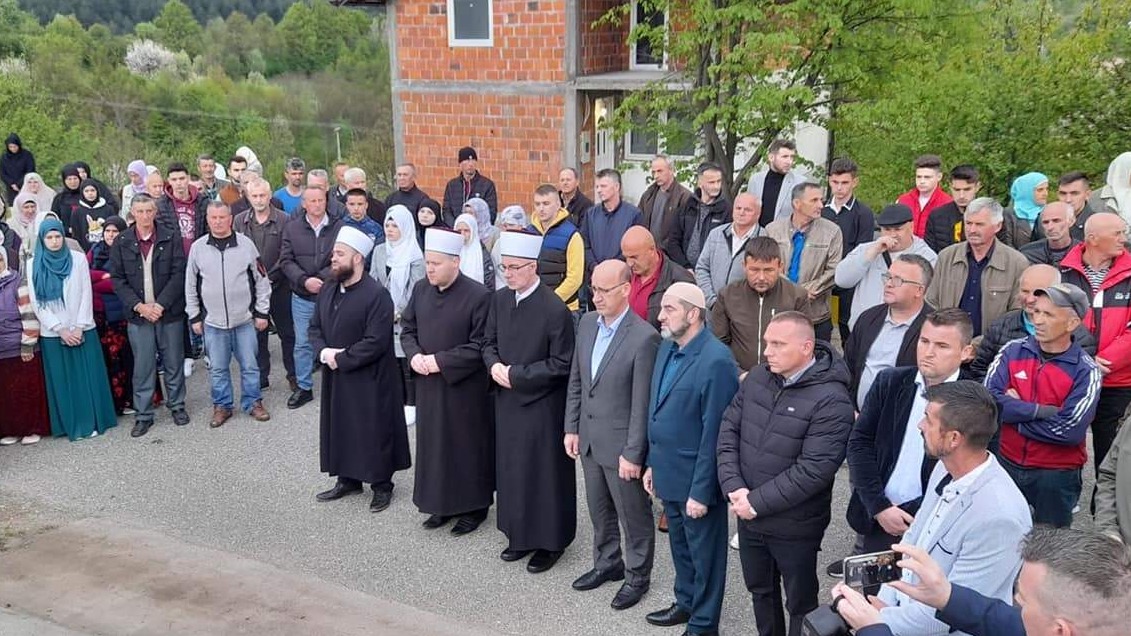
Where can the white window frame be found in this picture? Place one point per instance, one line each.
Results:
(632, 64)
(455, 42)
(661, 146)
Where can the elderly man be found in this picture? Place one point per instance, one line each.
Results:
(407, 193)
(693, 381)
(442, 334)
(528, 350)
(1057, 220)
(663, 201)
(607, 428)
(811, 248)
(652, 273)
(774, 184)
(1046, 389)
(781, 442)
(571, 196)
(356, 179)
(364, 438)
(227, 296)
(979, 275)
(721, 262)
(1101, 267)
(707, 209)
(863, 269)
(468, 184)
(1072, 188)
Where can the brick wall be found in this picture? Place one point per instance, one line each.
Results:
(603, 48)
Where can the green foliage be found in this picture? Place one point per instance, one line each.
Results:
(178, 29)
(121, 16)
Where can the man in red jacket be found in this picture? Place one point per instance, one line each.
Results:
(1101, 267)
(926, 195)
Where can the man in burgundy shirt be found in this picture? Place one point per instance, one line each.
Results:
(652, 273)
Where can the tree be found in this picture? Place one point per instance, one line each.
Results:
(178, 29)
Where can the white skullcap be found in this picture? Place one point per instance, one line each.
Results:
(688, 293)
(356, 239)
(520, 245)
(443, 241)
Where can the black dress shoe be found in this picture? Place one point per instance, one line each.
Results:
(466, 525)
(435, 521)
(674, 615)
(543, 560)
(713, 632)
(180, 417)
(141, 427)
(381, 500)
(629, 595)
(300, 397)
(337, 492)
(510, 555)
(595, 578)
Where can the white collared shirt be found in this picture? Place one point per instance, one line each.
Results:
(905, 482)
(946, 500)
(521, 296)
(323, 223)
(738, 242)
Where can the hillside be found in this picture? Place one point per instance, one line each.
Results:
(122, 15)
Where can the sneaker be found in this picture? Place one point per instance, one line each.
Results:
(129, 411)
(258, 412)
(8, 441)
(734, 542)
(410, 415)
(28, 440)
(188, 367)
(836, 569)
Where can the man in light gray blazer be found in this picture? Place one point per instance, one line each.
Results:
(973, 516)
(606, 426)
(773, 184)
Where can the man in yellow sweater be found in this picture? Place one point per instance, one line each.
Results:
(561, 264)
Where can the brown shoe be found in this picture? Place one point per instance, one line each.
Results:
(663, 525)
(259, 413)
(219, 416)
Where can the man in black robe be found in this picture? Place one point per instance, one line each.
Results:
(528, 350)
(442, 331)
(364, 438)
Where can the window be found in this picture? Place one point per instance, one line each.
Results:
(470, 23)
(642, 143)
(644, 54)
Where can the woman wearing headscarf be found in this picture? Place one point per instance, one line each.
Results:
(137, 173)
(88, 221)
(252, 159)
(427, 215)
(1115, 196)
(478, 209)
(25, 217)
(474, 260)
(78, 394)
(15, 163)
(37, 188)
(103, 190)
(513, 217)
(110, 319)
(398, 264)
(1029, 194)
(24, 417)
(68, 199)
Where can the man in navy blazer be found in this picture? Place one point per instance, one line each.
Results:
(694, 379)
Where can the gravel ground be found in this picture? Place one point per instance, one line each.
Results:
(248, 488)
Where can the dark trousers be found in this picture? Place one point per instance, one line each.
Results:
(385, 486)
(824, 330)
(768, 565)
(284, 326)
(699, 552)
(408, 391)
(612, 500)
(1052, 493)
(1110, 409)
(844, 311)
(148, 340)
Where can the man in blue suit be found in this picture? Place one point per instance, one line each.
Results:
(694, 380)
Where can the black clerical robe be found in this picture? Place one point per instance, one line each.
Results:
(455, 420)
(362, 420)
(537, 491)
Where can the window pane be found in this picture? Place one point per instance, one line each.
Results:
(640, 140)
(471, 19)
(644, 52)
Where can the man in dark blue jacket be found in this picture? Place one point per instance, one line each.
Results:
(693, 381)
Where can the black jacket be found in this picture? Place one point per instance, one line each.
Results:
(1010, 327)
(864, 333)
(1039, 253)
(305, 255)
(15, 166)
(669, 273)
(410, 199)
(944, 227)
(857, 224)
(168, 262)
(678, 243)
(874, 445)
(785, 443)
(167, 215)
(269, 242)
(1077, 230)
(481, 187)
(577, 206)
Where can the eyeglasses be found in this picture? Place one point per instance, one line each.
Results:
(896, 281)
(514, 268)
(597, 291)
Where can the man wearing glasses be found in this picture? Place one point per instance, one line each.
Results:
(863, 268)
(885, 335)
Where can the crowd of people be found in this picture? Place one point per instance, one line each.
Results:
(724, 357)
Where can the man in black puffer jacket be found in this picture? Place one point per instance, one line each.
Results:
(781, 442)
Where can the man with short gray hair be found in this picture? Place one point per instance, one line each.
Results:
(979, 275)
(319, 178)
(356, 179)
(407, 192)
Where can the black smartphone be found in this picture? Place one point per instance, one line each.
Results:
(869, 570)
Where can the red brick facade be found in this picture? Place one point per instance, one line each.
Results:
(604, 48)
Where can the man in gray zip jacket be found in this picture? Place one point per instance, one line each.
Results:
(721, 261)
(227, 297)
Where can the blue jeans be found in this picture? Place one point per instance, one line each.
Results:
(1051, 492)
(302, 311)
(221, 344)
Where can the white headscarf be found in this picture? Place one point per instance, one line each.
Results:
(45, 197)
(400, 255)
(487, 232)
(1119, 183)
(471, 257)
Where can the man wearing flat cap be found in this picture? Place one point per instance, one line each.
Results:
(693, 381)
(864, 268)
(1047, 388)
(468, 185)
(528, 351)
(363, 434)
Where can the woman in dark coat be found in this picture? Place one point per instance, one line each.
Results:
(110, 319)
(89, 219)
(15, 163)
(68, 198)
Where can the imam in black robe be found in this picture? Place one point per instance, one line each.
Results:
(364, 437)
(455, 421)
(537, 489)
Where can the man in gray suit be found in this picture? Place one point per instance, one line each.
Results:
(607, 427)
(972, 518)
(773, 184)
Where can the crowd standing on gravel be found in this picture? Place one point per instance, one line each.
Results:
(681, 350)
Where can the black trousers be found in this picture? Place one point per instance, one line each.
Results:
(385, 486)
(1110, 409)
(284, 326)
(824, 330)
(844, 311)
(770, 564)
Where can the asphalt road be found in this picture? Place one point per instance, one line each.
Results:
(248, 489)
